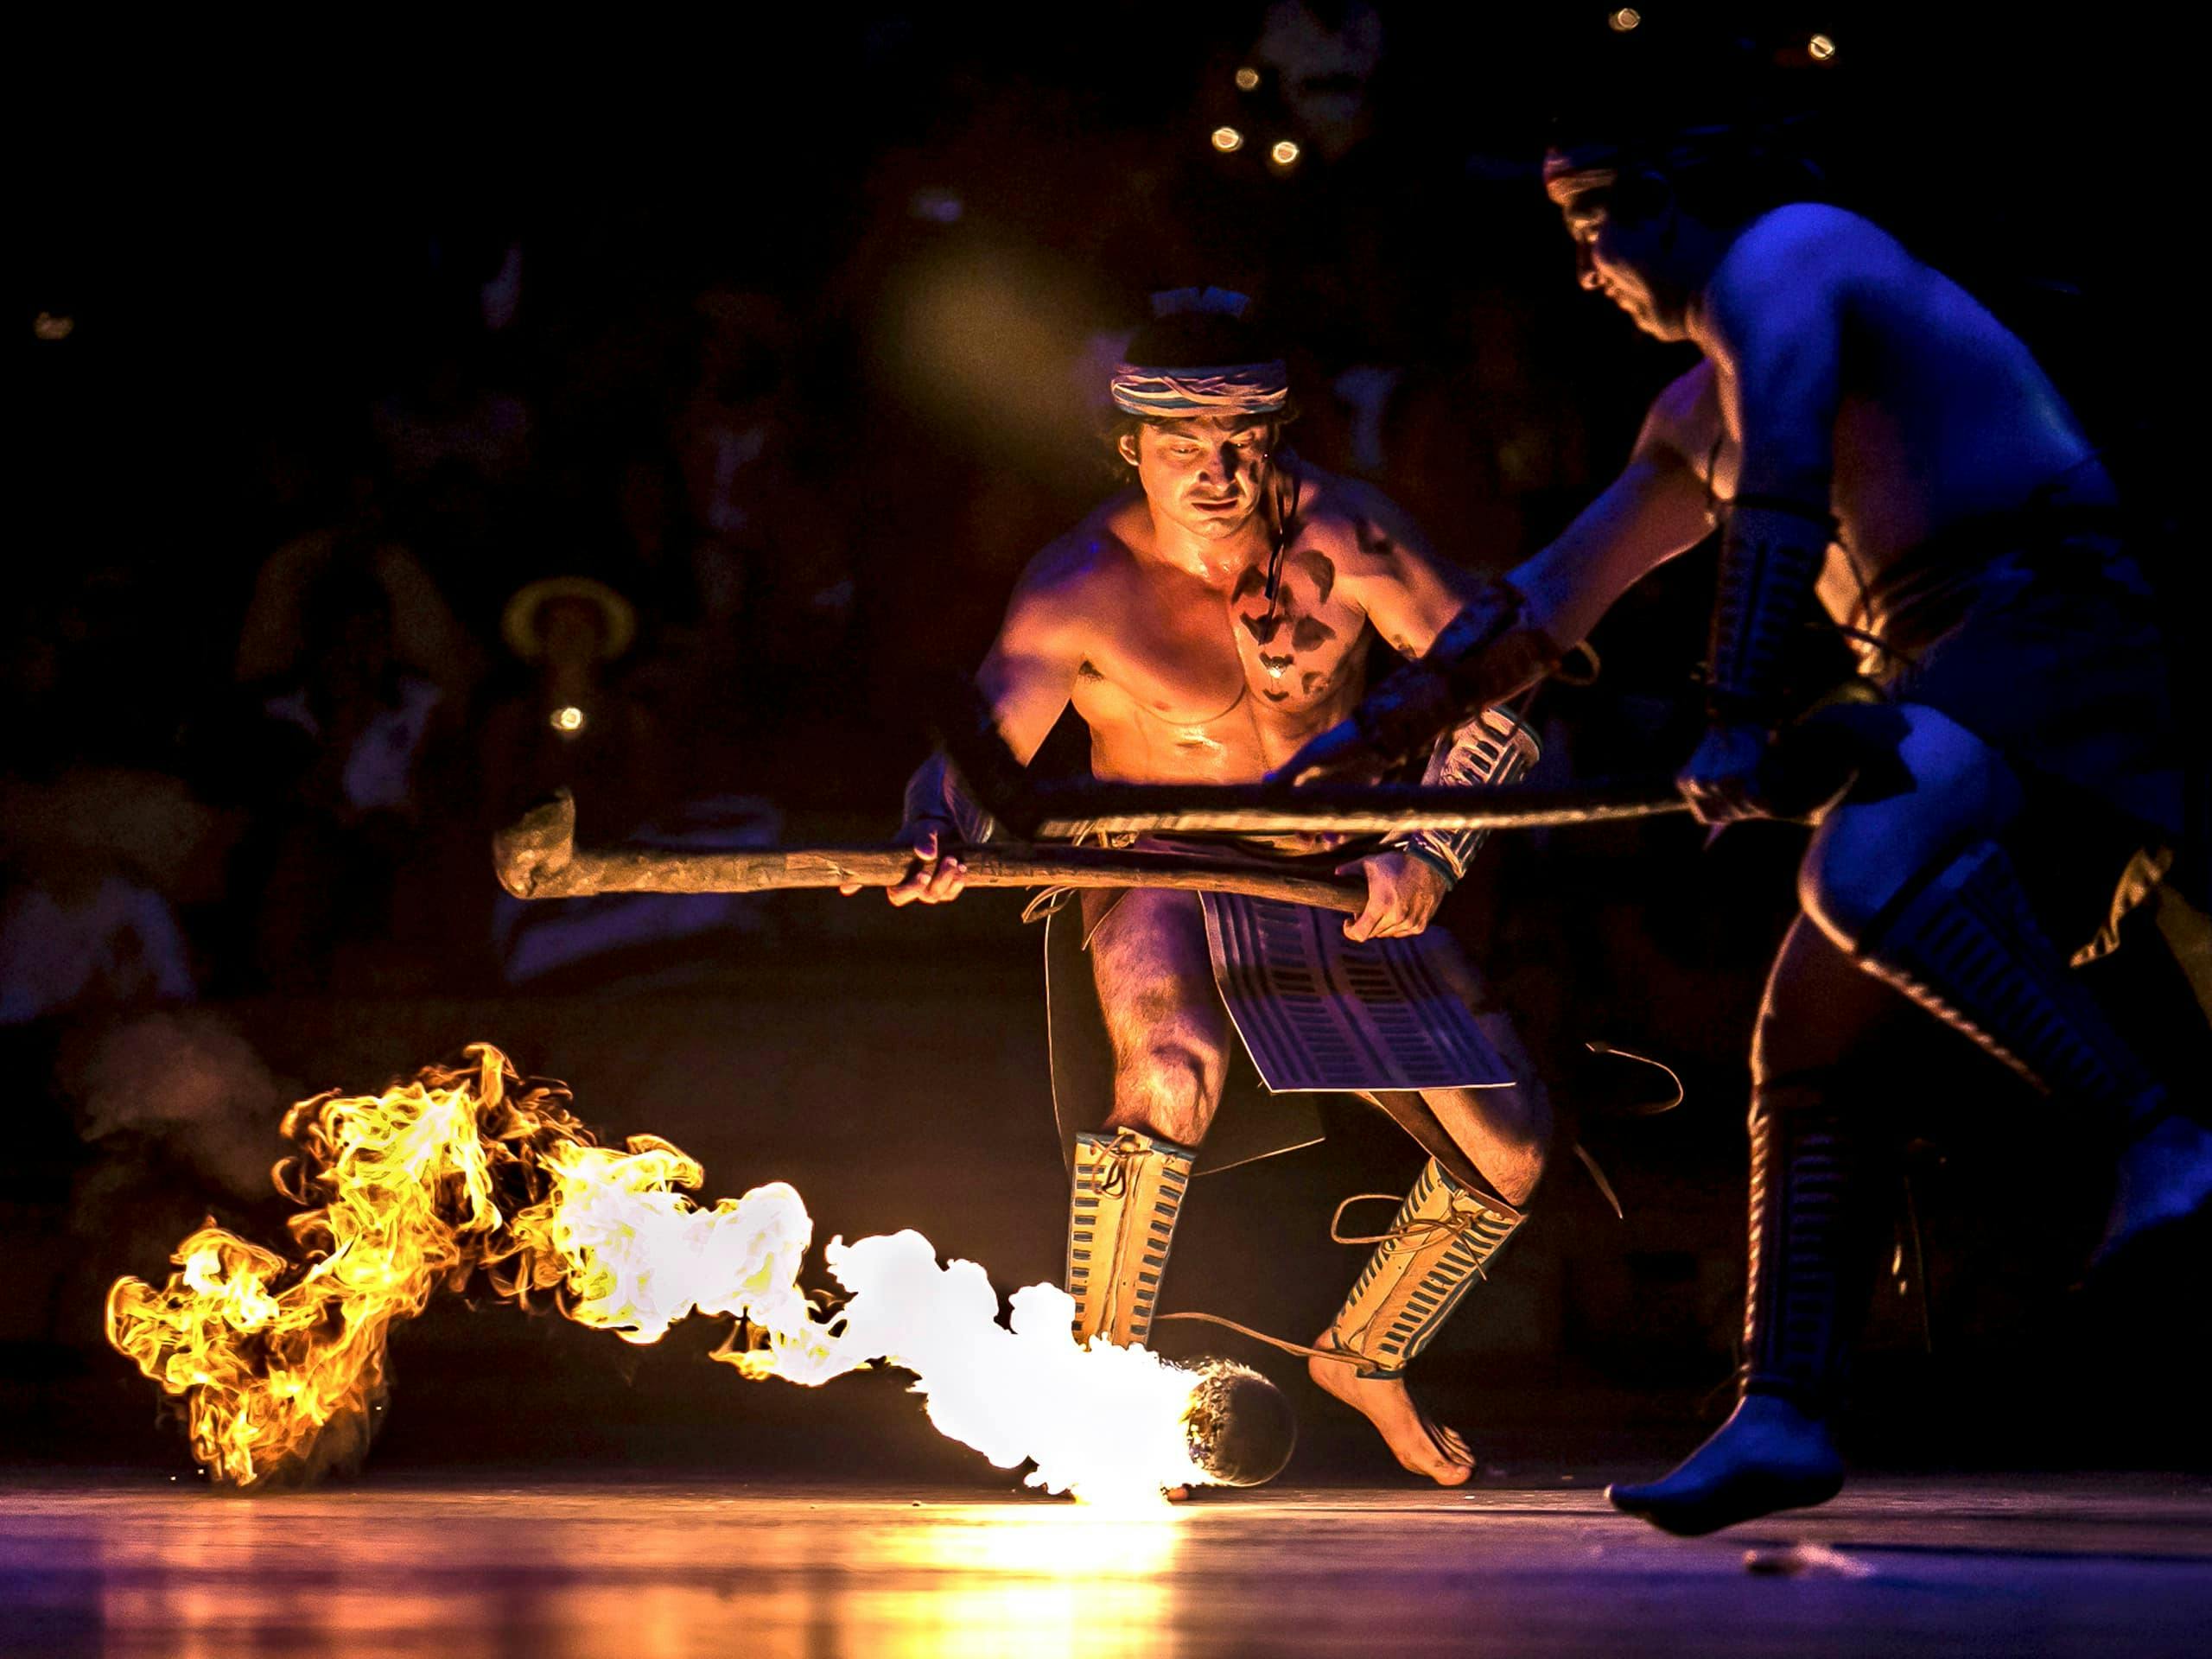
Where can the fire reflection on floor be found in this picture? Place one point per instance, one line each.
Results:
(645, 1572)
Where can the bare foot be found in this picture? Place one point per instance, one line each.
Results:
(1425, 1448)
(1768, 1456)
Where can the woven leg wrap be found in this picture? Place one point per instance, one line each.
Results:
(1129, 1187)
(1816, 1224)
(1966, 947)
(1442, 1240)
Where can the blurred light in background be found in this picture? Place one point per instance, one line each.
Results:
(46, 326)
(938, 206)
(1822, 47)
(1624, 20)
(1285, 154)
(568, 721)
(982, 341)
(1247, 79)
(1227, 140)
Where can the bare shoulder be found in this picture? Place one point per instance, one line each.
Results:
(1805, 243)
(1359, 544)
(1368, 533)
(1069, 569)
(1064, 587)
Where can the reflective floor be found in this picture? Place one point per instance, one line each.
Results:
(654, 1570)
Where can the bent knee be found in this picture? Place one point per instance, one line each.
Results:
(1522, 1122)
(1846, 881)
(1506, 1132)
(1867, 854)
(1514, 1168)
(1169, 1085)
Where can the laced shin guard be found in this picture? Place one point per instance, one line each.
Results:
(1816, 1249)
(1966, 946)
(1815, 1245)
(1128, 1188)
(1443, 1239)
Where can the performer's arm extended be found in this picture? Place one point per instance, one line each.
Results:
(1772, 318)
(1513, 628)
(1658, 509)
(1410, 597)
(1027, 678)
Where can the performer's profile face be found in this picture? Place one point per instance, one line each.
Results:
(1204, 474)
(1624, 260)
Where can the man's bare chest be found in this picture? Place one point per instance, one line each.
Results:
(1205, 655)
(1877, 501)
(1300, 640)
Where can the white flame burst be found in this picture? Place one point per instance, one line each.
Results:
(466, 1170)
(1103, 1422)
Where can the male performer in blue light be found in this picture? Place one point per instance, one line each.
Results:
(1885, 462)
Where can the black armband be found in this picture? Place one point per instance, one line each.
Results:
(935, 794)
(1483, 654)
(1772, 549)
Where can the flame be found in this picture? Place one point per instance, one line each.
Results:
(1107, 1423)
(471, 1174)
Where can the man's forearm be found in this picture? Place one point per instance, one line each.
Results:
(1653, 511)
(1771, 550)
(936, 794)
(1566, 595)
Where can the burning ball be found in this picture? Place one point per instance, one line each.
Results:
(1241, 1427)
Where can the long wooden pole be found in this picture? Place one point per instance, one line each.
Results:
(1072, 810)
(537, 858)
(1042, 808)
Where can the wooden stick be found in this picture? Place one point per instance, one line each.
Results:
(537, 858)
(1072, 810)
(1063, 811)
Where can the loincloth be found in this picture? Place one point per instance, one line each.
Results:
(2041, 638)
(1314, 1012)
(2036, 631)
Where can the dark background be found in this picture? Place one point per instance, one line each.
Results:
(324, 347)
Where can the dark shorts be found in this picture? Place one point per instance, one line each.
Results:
(2048, 648)
(2038, 633)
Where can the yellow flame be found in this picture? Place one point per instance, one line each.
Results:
(281, 1358)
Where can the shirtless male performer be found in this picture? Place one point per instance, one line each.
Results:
(1204, 624)
(1885, 459)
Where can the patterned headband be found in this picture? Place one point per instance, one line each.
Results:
(1228, 389)
(1570, 174)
